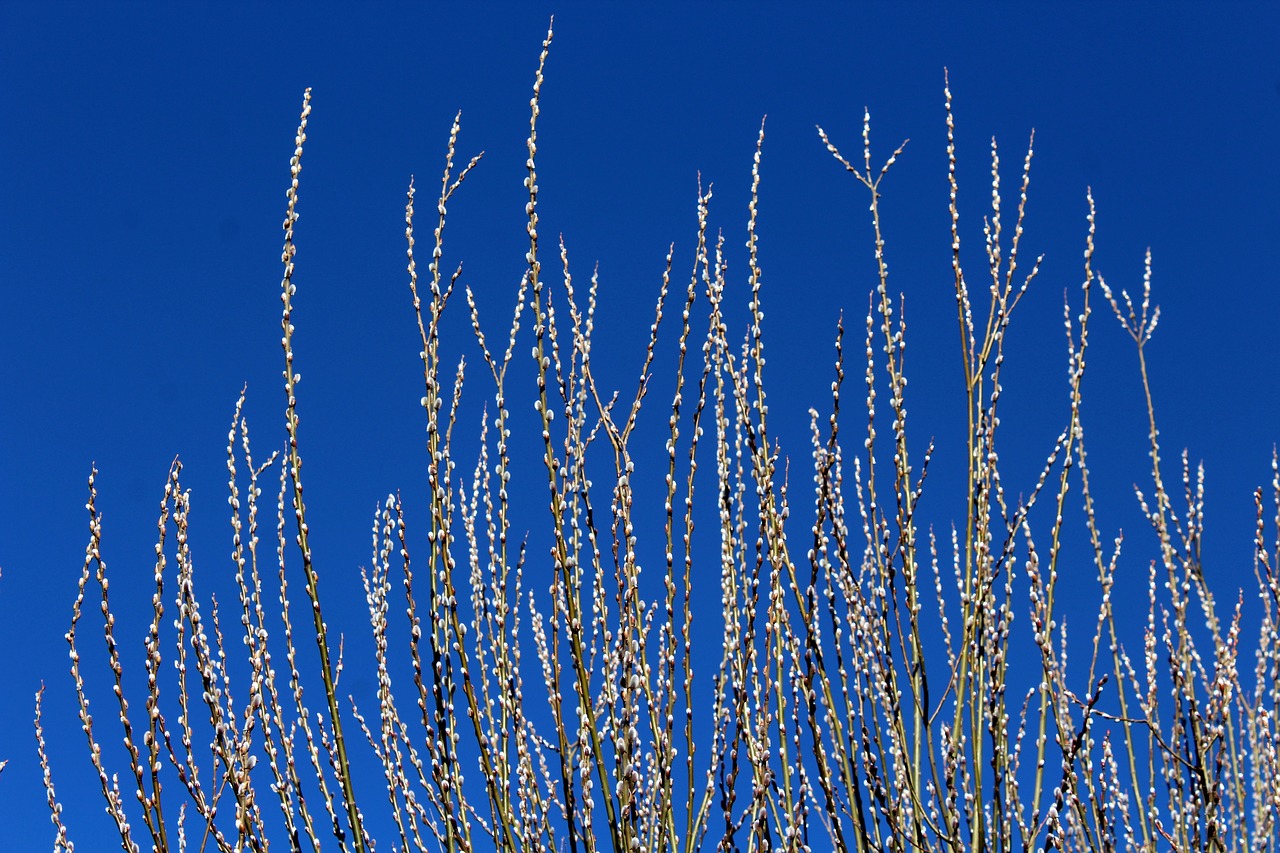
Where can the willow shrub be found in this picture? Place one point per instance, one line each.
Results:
(861, 699)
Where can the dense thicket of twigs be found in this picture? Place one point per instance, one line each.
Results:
(861, 701)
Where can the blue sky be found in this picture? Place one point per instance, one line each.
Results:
(145, 153)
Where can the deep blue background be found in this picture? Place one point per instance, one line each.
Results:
(143, 163)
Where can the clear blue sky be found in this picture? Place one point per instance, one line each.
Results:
(144, 154)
